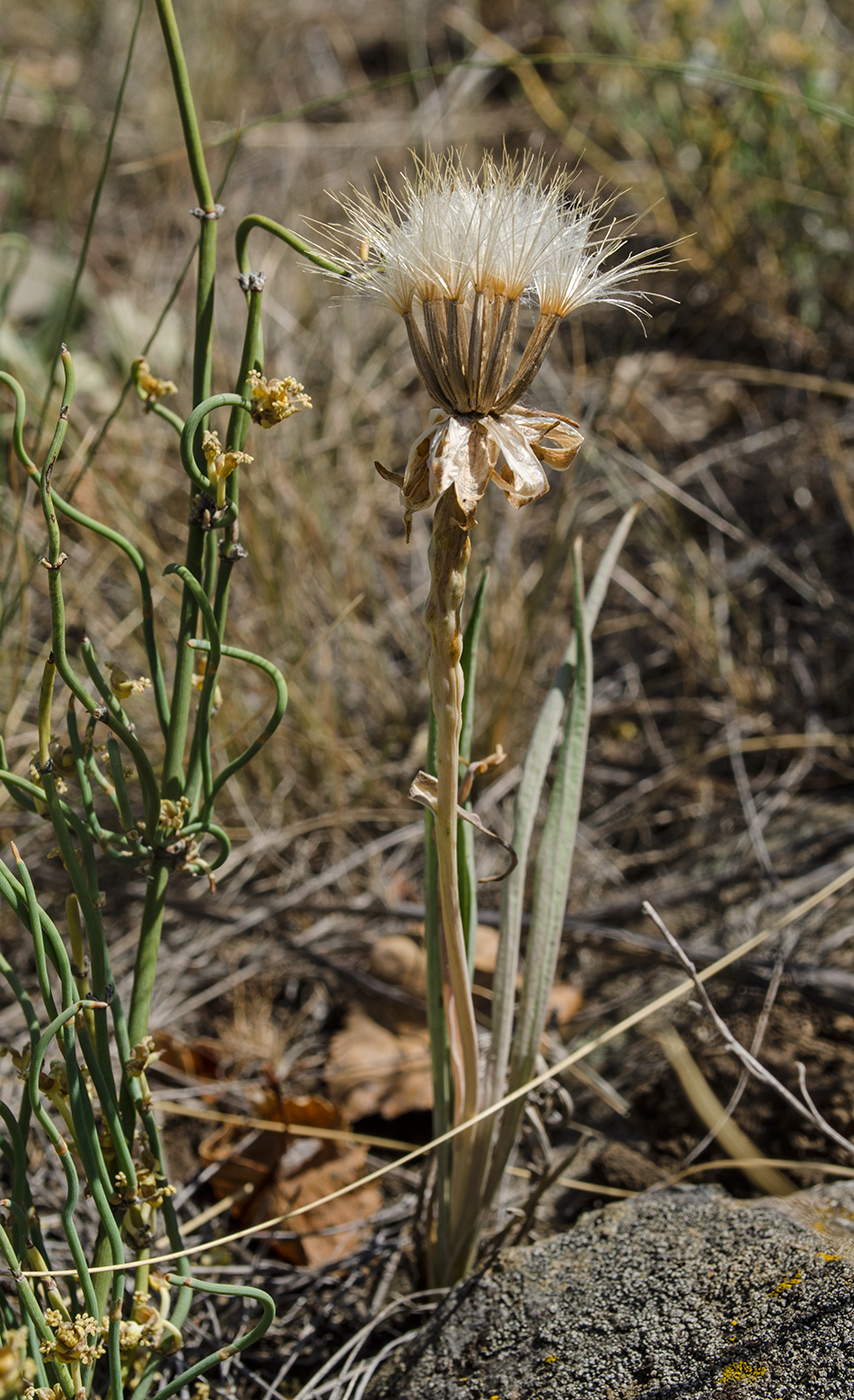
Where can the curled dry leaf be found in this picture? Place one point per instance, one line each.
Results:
(275, 1171)
(193, 1059)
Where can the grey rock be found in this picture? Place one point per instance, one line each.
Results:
(683, 1294)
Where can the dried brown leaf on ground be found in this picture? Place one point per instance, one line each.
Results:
(284, 1172)
(199, 1058)
(400, 961)
(344, 1218)
(374, 1069)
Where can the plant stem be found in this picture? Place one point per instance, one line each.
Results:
(173, 780)
(449, 556)
(147, 949)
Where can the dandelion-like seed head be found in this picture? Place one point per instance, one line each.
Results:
(455, 254)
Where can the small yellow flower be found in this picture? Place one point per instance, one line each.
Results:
(149, 387)
(80, 1340)
(172, 814)
(121, 684)
(16, 1368)
(221, 464)
(276, 399)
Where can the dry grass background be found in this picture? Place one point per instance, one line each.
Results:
(731, 618)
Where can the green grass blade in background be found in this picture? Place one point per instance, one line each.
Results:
(93, 214)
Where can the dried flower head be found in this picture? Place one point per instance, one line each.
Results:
(276, 399)
(455, 254)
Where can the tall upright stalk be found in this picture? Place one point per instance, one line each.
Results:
(454, 255)
(449, 555)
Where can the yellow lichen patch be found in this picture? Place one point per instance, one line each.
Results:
(829, 1257)
(787, 1283)
(743, 1371)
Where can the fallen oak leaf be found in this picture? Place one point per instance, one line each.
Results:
(350, 1212)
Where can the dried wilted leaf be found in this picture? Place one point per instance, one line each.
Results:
(196, 1059)
(401, 961)
(282, 1171)
(372, 1069)
(311, 1185)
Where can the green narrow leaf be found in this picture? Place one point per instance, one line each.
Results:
(551, 881)
(525, 809)
(554, 858)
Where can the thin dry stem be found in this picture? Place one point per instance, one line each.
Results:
(806, 1109)
(449, 556)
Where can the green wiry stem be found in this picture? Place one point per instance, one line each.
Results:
(54, 559)
(221, 1290)
(173, 781)
(61, 1147)
(80, 518)
(252, 357)
(238, 654)
(33, 1311)
(145, 969)
(204, 194)
(176, 739)
(198, 767)
(314, 255)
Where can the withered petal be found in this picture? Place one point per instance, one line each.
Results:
(475, 468)
(396, 478)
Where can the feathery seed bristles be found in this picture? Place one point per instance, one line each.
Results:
(455, 253)
(509, 229)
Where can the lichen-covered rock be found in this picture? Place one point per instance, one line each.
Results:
(683, 1294)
